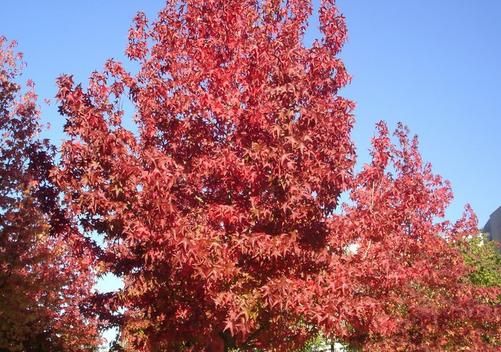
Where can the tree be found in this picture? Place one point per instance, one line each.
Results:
(411, 279)
(42, 282)
(221, 210)
(484, 257)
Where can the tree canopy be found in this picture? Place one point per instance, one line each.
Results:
(43, 278)
(232, 211)
(222, 211)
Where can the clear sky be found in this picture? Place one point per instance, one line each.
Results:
(432, 64)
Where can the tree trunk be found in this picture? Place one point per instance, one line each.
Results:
(229, 341)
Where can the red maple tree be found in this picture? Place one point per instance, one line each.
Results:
(221, 211)
(403, 285)
(45, 275)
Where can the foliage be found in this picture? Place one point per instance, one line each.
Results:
(420, 277)
(222, 212)
(484, 257)
(42, 280)
(314, 344)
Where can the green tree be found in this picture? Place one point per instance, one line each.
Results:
(485, 259)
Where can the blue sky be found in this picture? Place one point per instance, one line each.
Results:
(434, 65)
